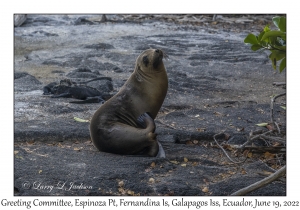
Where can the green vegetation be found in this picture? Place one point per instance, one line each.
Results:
(272, 40)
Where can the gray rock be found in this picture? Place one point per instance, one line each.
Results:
(24, 81)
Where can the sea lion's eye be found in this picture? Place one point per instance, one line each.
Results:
(145, 60)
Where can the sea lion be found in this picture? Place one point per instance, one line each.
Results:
(125, 123)
(69, 89)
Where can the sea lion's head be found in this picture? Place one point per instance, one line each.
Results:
(151, 61)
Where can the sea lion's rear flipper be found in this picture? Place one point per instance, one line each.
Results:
(146, 121)
(141, 121)
(46, 90)
(97, 99)
(161, 152)
(64, 95)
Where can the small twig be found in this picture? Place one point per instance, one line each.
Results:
(278, 160)
(269, 47)
(226, 152)
(279, 83)
(273, 138)
(265, 163)
(272, 105)
(266, 142)
(282, 179)
(253, 138)
(281, 172)
(256, 132)
(165, 124)
(278, 129)
(264, 149)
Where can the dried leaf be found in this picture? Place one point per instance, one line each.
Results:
(218, 114)
(195, 141)
(151, 180)
(205, 189)
(16, 152)
(183, 165)
(194, 164)
(267, 173)
(243, 171)
(121, 184)
(40, 171)
(228, 147)
(240, 129)
(283, 107)
(274, 166)
(30, 142)
(276, 144)
(20, 157)
(249, 155)
(245, 152)
(201, 129)
(270, 128)
(185, 159)
(121, 190)
(227, 136)
(188, 142)
(206, 181)
(77, 149)
(174, 162)
(129, 192)
(80, 120)
(152, 164)
(269, 155)
(262, 124)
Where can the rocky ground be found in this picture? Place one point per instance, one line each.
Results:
(216, 84)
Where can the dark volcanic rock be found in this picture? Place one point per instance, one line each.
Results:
(100, 46)
(104, 86)
(24, 81)
(82, 73)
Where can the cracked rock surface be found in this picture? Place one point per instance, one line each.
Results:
(216, 84)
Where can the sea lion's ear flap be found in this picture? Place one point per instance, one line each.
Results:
(145, 60)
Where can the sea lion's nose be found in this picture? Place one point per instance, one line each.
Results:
(157, 51)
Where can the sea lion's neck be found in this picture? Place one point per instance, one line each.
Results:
(149, 75)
